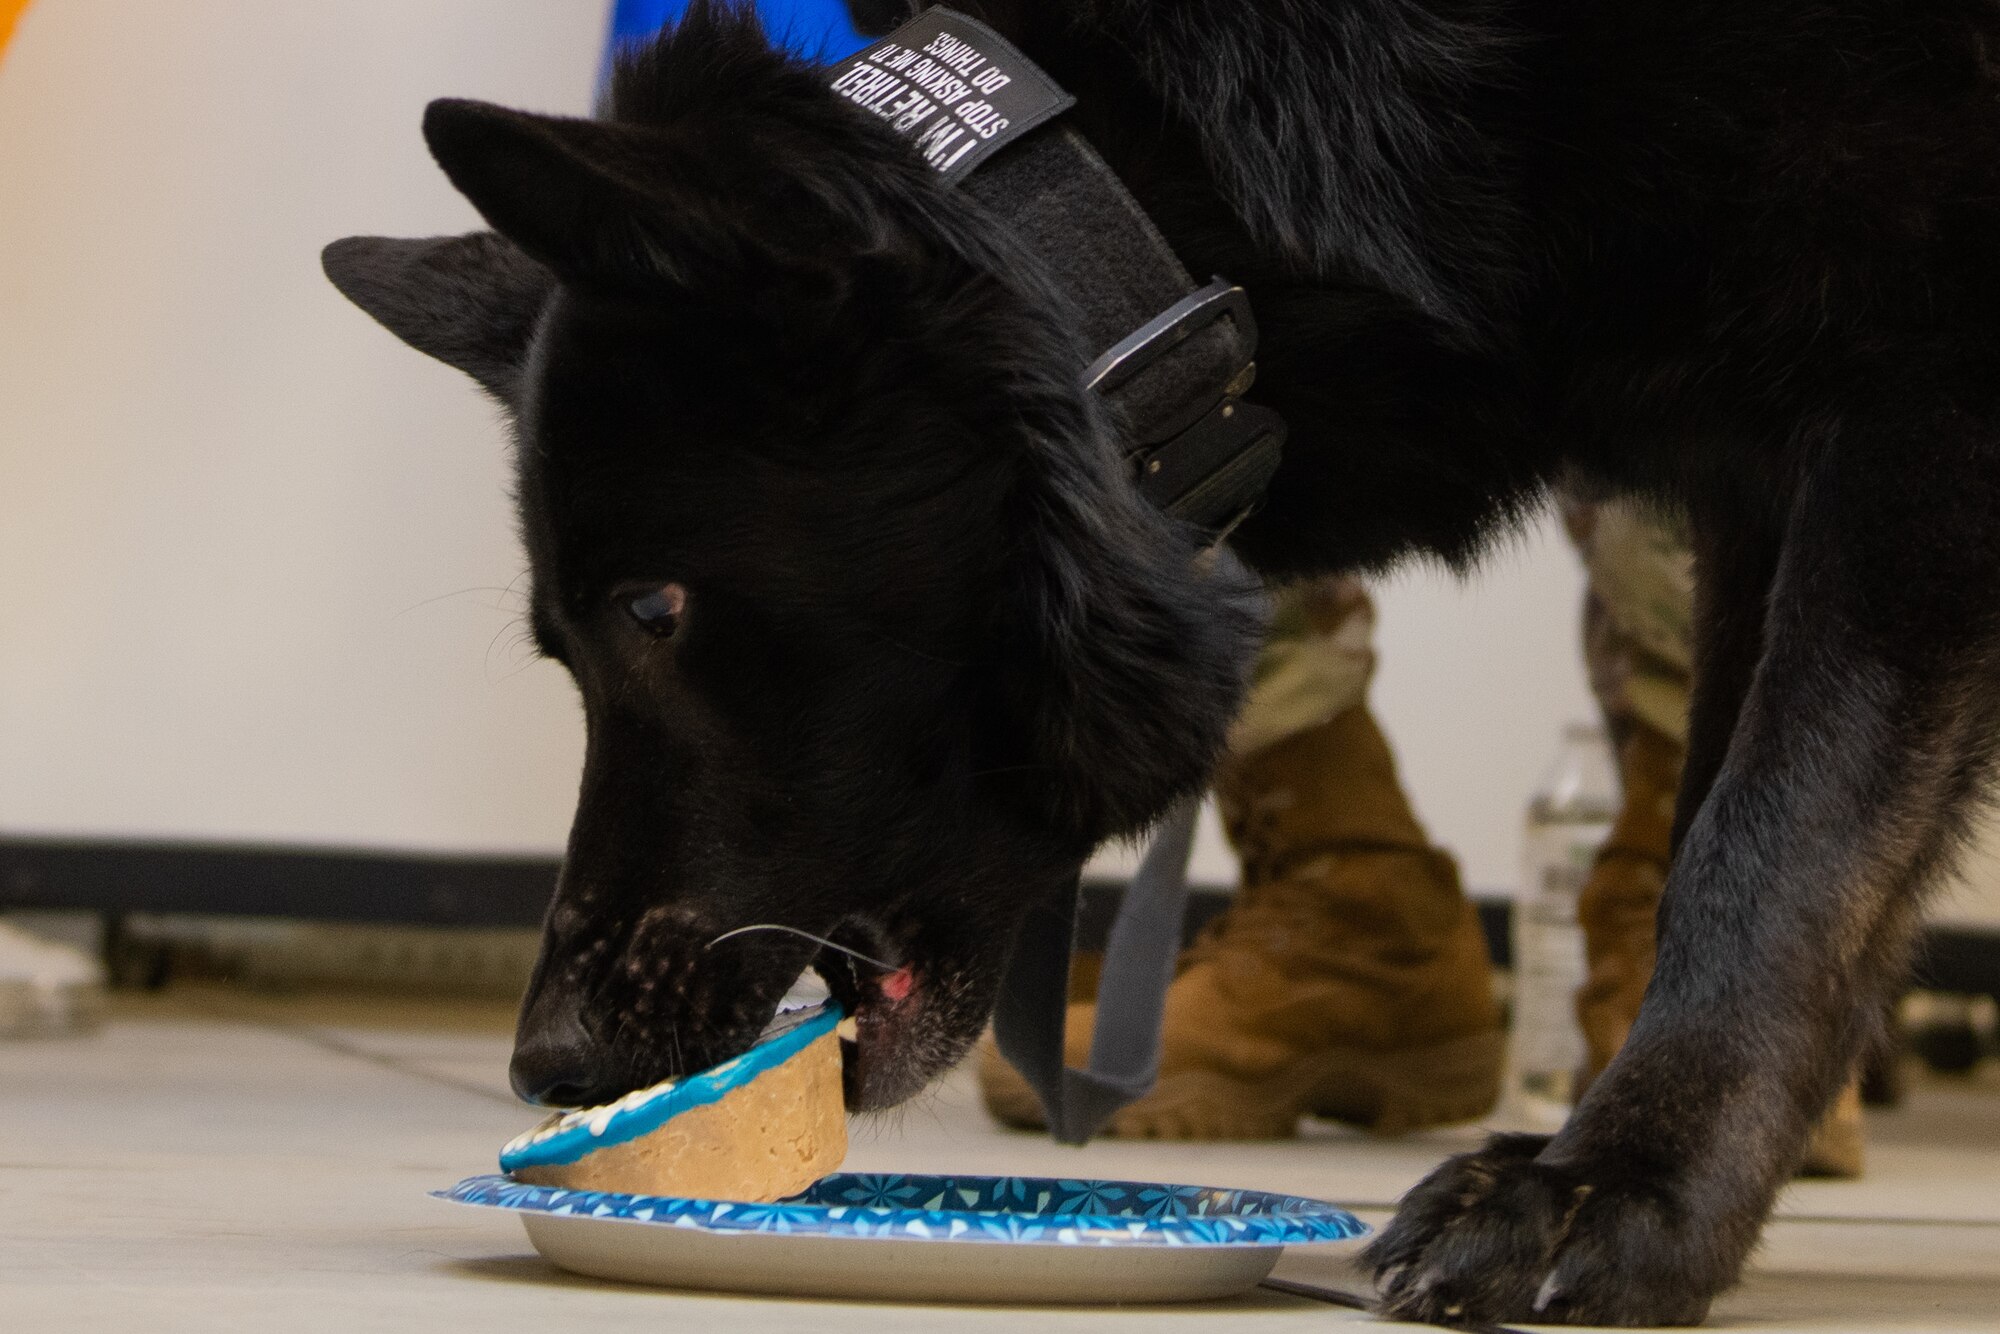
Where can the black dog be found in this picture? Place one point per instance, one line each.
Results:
(875, 639)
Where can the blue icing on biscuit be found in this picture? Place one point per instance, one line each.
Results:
(575, 1134)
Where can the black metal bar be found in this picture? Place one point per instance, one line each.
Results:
(444, 889)
(316, 883)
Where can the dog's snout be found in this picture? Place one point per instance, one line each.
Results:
(555, 1064)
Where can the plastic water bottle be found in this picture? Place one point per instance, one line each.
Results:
(1568, 820)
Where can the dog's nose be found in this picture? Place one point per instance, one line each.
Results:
(553, 1065)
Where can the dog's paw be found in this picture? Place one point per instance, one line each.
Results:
(1498, 1235)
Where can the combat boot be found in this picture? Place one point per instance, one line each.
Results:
(1348, 979)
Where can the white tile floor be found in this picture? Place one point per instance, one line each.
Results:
(218, 1162)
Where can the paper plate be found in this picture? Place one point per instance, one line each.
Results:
(929, 1238)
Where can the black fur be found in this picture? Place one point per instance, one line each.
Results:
(936, 648)
(1740, 259)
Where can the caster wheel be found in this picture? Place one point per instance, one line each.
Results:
(1949, 1047)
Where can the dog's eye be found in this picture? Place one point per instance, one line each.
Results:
(657, 610)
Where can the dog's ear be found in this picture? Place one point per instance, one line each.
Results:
(600, 202)
(1124, 657)
(575, 194)
(470, 301)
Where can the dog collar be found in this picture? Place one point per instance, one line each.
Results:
(1174, 359)
(1172, 356)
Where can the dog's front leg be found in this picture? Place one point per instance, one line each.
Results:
(1865, 729)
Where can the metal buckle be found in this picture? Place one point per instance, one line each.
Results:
(1217, 468)
(1169, 329)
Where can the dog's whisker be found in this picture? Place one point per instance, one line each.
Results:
(522, 638)
(455, 593)
(779, 926)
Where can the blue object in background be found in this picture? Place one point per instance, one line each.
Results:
(817, 29)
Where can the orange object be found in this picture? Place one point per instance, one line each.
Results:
(10, 10)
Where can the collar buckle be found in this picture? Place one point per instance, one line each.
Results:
(1212, 467)
(1172, 327)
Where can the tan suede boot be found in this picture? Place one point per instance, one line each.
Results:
(1349, 979)
(1617, 908)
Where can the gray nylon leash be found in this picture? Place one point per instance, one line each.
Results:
(1031, 1017)
(1139, 960)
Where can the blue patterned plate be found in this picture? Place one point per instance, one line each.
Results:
(1032, 1239)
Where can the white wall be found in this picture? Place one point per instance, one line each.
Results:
(1475, 681)
(239, 522)
(253, 550)
(235, 516)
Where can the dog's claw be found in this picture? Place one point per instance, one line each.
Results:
(1499, 1235)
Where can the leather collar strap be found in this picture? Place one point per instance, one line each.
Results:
(1173, 358)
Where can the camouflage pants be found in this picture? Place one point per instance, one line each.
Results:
(1638, 614)
(1318, 657)
(1637, 634)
